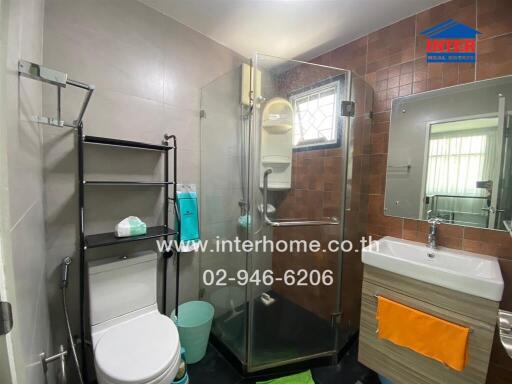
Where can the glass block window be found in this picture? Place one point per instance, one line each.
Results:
(317, 116)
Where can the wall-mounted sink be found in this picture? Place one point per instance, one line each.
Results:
(466, 272)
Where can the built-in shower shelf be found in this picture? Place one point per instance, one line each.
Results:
(106, 239)
(124, 143)
(277, 127)
(128, 183)
(276, 160)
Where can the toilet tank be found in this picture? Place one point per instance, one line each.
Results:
(121, 285)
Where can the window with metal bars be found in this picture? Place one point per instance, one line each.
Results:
(317, 116)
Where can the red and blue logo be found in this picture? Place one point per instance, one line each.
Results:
(451, 42)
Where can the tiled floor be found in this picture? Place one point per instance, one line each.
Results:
(215, 369)
(284, 331)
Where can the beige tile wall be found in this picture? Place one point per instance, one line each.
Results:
(22, 246)
(148, 71)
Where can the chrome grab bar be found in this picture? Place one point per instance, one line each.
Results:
(288, 223)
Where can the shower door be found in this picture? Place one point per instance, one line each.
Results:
(223, 207)
(295, 314)
(290, 127)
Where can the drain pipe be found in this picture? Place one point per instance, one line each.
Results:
(63, 285)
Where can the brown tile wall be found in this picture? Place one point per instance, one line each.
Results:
(394, 64)
(317, 192)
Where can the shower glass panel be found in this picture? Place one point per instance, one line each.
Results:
(300, 320)
(223, 206)
(289, 128)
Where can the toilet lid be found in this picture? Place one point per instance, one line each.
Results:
(139, 350)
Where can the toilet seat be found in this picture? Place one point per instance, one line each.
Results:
(143, 350)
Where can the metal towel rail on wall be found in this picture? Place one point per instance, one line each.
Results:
(289, 223)
(60, 80)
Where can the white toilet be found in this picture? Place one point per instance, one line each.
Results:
(133, 342)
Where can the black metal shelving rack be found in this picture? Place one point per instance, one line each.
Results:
(108, 239)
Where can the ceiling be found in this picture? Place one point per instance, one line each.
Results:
(293, 29)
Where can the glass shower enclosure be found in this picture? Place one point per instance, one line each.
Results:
(278, 174)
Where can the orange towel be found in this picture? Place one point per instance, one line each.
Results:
(428, 335)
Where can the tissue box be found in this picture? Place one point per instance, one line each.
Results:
(131, 226)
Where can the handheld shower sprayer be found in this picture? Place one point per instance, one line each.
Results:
(65, 271)
(63, 285)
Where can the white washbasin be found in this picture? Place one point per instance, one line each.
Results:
(466, 272)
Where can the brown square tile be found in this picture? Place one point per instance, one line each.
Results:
(409, 235)
(307, 203)
(379, 143)
(486, 235)
(380, 127)
(411, 225)
(405, 90)
(506, 272)
(467, 73)
(434, 83)
(472, 245)
(333, 152)
(392, 94)
(382, 74)
(385, 230)
(494, 18)
(406, 78)
(449, 230)
(313, 169)
(376, 184)
(351, 56)
(391, 45)
(332, 173)
(332, 199)
(419, 86)
(381, 85)
(393, 82)
(450, 242)
(494, 57)
(406, 68)
(394, 71)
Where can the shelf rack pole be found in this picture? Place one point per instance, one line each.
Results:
(80, 145)
(167, 255)
(178, 221)
(166, 225)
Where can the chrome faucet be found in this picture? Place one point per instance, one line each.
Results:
(432, 235)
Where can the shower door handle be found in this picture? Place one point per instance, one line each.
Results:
(288, 223)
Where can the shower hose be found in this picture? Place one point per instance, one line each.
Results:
(64, 284)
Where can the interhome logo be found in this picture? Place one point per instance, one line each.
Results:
(451, 42)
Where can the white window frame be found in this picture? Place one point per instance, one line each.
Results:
(317, 89)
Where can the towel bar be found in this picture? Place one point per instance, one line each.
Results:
(287, 222)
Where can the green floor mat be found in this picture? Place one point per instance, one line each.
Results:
(299, 378)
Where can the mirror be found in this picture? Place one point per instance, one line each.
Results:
(450, 154)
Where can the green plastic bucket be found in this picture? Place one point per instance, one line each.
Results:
(194, 323)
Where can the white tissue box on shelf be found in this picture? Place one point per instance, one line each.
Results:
(131, 226)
